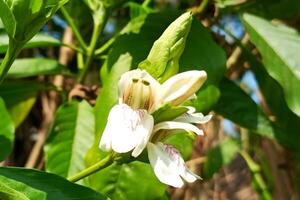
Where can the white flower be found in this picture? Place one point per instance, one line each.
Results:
(168, 165)
(130, 123)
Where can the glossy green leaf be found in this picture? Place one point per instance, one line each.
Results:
(219, 156)
(207, 97)
(27, 67)
(282, 63)
(135, 180)
(71, 135)
(19, 97)
(28, 184)
(7, 132)
(40, 40)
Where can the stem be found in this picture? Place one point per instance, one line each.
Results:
(202, 6)
(74, 27)
(146, 3)
(13, 50)
(105, 46)
(105, 162)
(73, 48)
(255, 170)
(98, 27)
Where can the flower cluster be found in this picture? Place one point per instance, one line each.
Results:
(130, 125)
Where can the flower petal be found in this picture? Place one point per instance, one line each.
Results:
(125, 129)
(182, 86)
(188, 175)
(144, 131)
(177, 125)
(196, 118)
(164, 167)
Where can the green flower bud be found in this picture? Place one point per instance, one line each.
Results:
(163, 59)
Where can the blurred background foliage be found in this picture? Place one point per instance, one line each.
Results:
(56, 97)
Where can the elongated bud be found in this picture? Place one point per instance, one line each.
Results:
(162, 61)
(182, 86)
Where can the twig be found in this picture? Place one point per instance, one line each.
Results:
(236, 53)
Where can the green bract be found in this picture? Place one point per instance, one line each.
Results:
(163, 59)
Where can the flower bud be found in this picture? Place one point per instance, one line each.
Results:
(164, 55)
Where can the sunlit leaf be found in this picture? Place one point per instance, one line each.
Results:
(28, 67)
(219, 156)
(40, 40)
(279, 47)
(72, 134)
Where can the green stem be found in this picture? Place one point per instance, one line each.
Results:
(105, 162)
(105, 46)
(13, 50)
(202, 6)
(98, 27)
(146, 3)
(73, 27)
(255, 170)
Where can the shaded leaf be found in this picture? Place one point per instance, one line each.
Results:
(236, 105)
(282, 64)
(19, 97)
(219, 156)
(27, 183)
(7, 132)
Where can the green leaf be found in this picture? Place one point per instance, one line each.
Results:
(137, 10)
(71, 135)
(14, 190)
(28, 67)
(207, 97)
(135, 180)
(7, 132)
(20, 183)
(7, 17)
(168, 112)
(236, 105)
(283, 117)
(19, 97)
(282, 64)
(37, 14)
(40, 40)
(219, 156)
